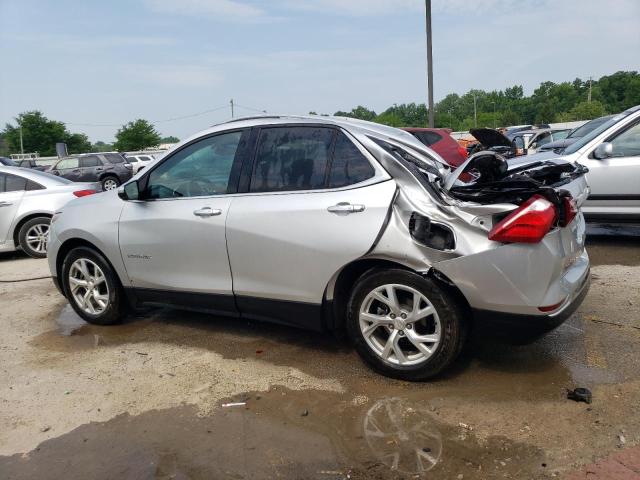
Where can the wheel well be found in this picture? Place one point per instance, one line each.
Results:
(16, 231)
(108, 174)
(335, 315)
(69, 245)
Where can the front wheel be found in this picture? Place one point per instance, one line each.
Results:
(92, 287)
(404, 325)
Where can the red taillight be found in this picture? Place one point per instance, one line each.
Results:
(463, 151)
(551, 308)
(84, 193)
(528, 224)
(570, 211)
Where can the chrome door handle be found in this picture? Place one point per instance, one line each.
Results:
(207, 212)
(5, 204)
(345, 207)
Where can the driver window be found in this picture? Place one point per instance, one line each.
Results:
(201, 169)
(627, 144)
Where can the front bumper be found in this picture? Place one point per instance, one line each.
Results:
(521, 327)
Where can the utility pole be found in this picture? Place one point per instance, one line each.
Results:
(475, 112)
(589, 97)
(231, 103)
(494, 115)
(429, 62)
(21, 145)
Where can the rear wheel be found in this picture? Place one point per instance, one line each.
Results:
(404, 325)
(110, 182)
(34, 235)
(92, 287)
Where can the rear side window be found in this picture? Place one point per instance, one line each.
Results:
(428, 138)
(13, 183)
(114, 157)
(90, 161)
(291, 158)
(349, 166)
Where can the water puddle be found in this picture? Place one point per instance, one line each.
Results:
(279, 434)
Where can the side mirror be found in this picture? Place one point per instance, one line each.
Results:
(604, 150)
(129, 191)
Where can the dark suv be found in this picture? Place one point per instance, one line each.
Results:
(110, 169)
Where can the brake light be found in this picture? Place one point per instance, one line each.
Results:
(463, 151)
(84, 193)
(528, 224)
(570, 210)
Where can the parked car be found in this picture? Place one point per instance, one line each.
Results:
(139, 161)
(559, 145)
(527, 142)
(28, 199)
(330, 224)
(440, 141)
(611, 152)
(31, 163)
(7, 162)
(110, 169)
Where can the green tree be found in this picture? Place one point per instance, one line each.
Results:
(359, 112)
(587, 110)
(136, 135)
(169, 139)
(39, 134)
(77, 143)
(101, 146)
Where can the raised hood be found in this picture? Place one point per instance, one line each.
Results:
(490, 138)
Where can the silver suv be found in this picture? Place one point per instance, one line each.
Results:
(333, 224)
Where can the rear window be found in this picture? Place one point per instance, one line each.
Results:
(114, 157)
(13, 183)
(428, 138)
(31, 185)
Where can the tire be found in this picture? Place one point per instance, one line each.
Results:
(110, 182)
(109, 291)
(415, 363)
(32, 237)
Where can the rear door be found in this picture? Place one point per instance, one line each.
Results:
(12, 189)
(90, 168)
(615, 181)
(314, 202)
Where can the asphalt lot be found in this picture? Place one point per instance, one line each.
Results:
(145, 399)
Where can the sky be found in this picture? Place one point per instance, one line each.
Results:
(96, 64)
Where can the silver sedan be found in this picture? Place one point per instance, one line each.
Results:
(28, 200)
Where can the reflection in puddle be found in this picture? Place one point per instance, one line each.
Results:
(402, 437)
(68, 321)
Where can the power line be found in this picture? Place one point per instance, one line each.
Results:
(172, 119)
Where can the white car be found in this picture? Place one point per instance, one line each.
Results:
(139, 161)
(28, 200)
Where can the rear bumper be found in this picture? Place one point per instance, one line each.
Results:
(529, 327)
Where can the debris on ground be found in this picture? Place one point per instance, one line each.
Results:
(46, 428)
(580, 394)
(465, 426)
(234, 404)
(304, 413)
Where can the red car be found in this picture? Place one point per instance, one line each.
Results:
(439, 140)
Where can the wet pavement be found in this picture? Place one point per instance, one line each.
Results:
(500, 412)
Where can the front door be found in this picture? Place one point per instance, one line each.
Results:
(68, 168)
(173, 239)
(90, 168)
(615, 181)
(11, 192)
(308, 212)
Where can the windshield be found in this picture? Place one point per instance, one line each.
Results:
(574, 147)
(582, 130)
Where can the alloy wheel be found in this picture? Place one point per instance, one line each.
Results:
(88, 286)
(110, 184)
(37, 237)
(400, 324)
